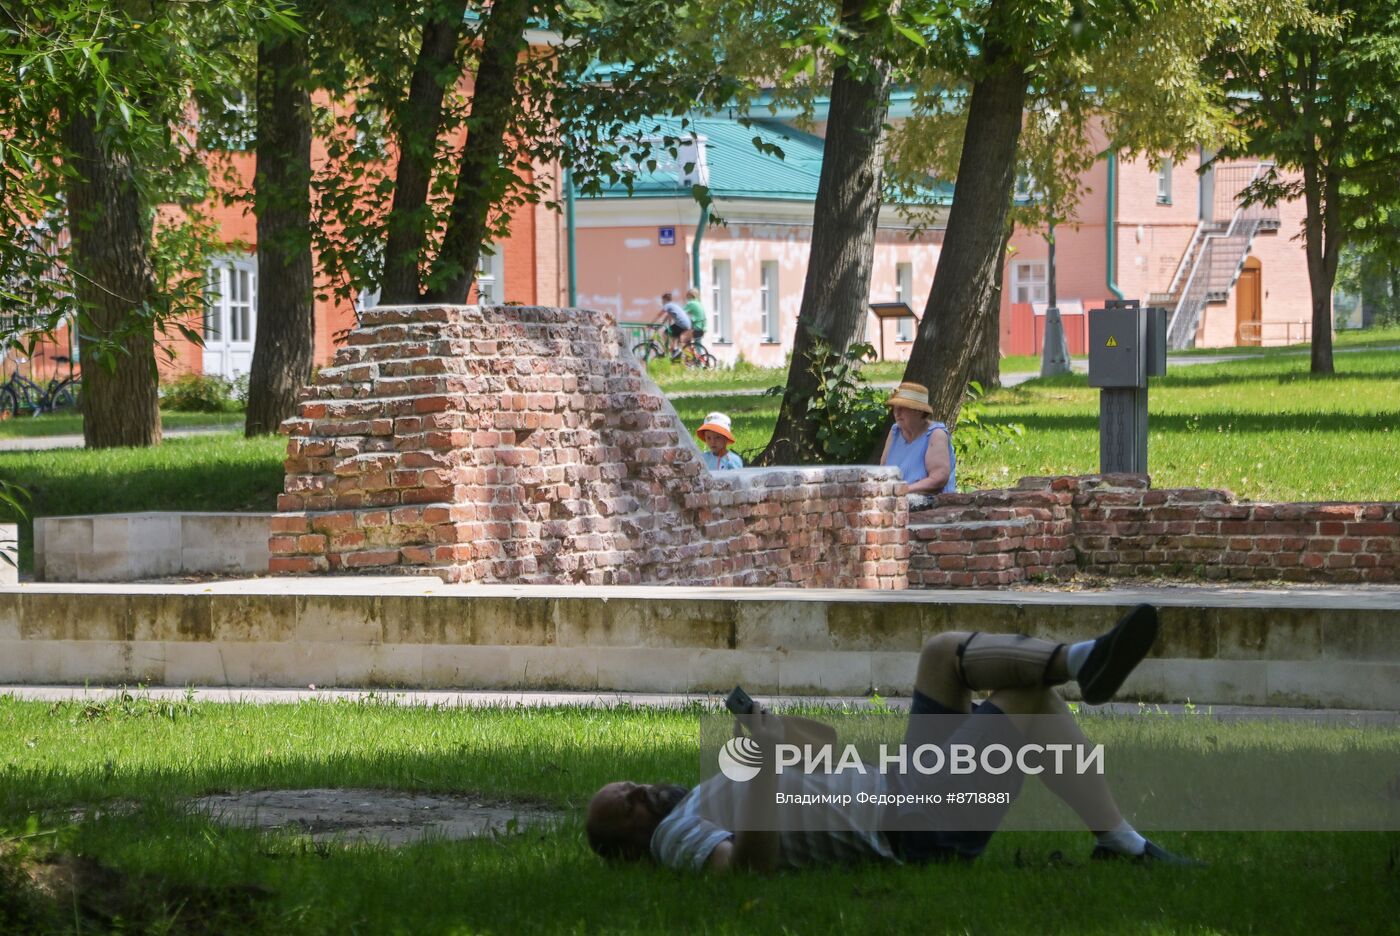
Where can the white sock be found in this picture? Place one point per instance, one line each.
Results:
(1075, 655)
(1125, 840)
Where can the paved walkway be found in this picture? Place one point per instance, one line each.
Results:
(447, 698)
(44, 443)
(1079, 367)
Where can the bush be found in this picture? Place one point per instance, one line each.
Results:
(201, 393)
(849, 415)
(973, 437)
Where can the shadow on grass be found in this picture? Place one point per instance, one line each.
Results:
(1212, 422)
(547, 880)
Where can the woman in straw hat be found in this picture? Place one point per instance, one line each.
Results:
(920, 446)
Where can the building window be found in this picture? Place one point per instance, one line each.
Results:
(371, 131)
(1164, 183)
(904, 292)
(490, 275)
(719, 300)
(1029, 281)
(230, 309)
(230, 316)
(227, 123)
(768, 301)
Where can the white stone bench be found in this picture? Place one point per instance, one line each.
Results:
(156, 544)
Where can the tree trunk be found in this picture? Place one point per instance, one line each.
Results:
(1316, 237)
(965, 283)
(986, 360)
(285, 342)
(481, 180)
(846, 214)
(418, 124)
(115, 285)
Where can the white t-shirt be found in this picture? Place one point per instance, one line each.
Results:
(707, 815)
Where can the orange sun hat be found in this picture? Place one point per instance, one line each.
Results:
(717, 423)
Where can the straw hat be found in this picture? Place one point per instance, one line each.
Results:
(911, 396)
(717, 423)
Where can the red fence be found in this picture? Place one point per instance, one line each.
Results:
(1023, 332)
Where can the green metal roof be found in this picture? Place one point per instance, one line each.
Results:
(737, 168)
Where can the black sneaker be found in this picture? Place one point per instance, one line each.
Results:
(1154, 854)
(1116, 653)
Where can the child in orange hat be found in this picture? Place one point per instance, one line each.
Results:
(717, 436)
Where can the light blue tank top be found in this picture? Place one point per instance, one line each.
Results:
(909, 456)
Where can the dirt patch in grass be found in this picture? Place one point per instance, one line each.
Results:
(382, 817)
(45, 890)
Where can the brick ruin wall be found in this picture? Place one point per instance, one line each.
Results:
(527, 445)
(1116, 525)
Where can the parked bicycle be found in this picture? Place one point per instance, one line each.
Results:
(20, 396)
(659, 345)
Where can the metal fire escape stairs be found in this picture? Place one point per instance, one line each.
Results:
(1216, 255)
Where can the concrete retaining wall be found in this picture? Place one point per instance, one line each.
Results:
(1336, 650)
(123, 547)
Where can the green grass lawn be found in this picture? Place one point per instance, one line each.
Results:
(678, 379)
(60, 762)
(675, 379)
(1261, 427)
(72, 423)
(216, 472)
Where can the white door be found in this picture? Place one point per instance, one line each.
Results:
(230, 316)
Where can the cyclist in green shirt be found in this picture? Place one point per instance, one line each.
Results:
(696, 311)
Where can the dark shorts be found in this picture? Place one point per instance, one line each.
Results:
(675, 331)
(698, 332)
(936, 844)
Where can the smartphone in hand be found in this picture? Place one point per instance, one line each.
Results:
(740, 702)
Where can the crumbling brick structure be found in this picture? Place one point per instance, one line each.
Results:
(1116, 525)
(527, 445)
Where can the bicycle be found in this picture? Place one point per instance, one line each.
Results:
(19, 394)
(660, 345)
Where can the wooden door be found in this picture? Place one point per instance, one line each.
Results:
(1249, 309)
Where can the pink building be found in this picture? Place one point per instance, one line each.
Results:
(1227, 276)
(749, 255)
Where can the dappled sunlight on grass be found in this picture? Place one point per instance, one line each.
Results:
(111, 782)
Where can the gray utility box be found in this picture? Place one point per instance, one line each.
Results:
(1127, 344)
(1117, 345)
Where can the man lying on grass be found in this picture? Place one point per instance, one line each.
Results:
(717, 826)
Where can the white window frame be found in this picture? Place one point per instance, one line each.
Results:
(1029, 285)
(490, 275)
(1164, 182)
(904, 292)
(719, 300)
(237, 133)
(769, 311)
(230, 323)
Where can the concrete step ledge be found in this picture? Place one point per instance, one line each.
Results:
(1315, 648)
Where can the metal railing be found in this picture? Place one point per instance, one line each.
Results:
(1286, 333)
(1221, 253)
